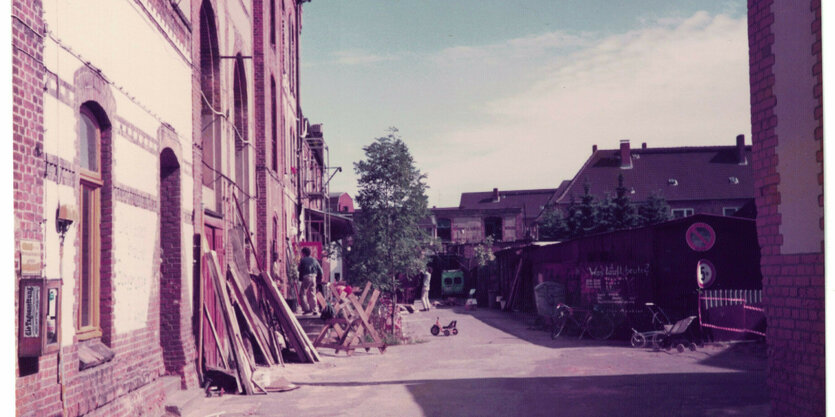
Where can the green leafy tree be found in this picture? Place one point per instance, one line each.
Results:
(483, 252)
(388, 240)
(654, 210)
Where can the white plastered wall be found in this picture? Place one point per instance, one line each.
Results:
(150, 84)
(797, 147)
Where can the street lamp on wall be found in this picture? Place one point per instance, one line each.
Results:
(65, 215)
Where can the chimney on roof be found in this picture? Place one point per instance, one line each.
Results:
(643, 145)
(495, 195)
(740, 150)
(593, 148)
(625, 154)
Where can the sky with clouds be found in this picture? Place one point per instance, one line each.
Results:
(512, 95)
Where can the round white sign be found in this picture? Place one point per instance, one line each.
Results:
(705, 273)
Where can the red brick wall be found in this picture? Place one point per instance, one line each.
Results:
(270, 184)
(136, 366)
(27, 120)
(37, 390)
(793, 285)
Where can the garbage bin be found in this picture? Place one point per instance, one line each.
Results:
(547, 295)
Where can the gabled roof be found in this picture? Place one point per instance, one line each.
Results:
(529, 201)
(685, 173)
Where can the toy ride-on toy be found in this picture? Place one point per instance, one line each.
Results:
(449, 328)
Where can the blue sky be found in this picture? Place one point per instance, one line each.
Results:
(514, 94)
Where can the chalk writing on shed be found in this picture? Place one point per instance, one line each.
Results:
(611, 283)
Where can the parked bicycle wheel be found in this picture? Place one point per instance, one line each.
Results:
(560, 322)
(638, 340)
(600, 326)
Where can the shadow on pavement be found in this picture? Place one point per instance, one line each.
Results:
(740, 356)
(532, 330)
(682, 394)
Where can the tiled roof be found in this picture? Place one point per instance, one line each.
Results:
(529, 201)
(686, 173)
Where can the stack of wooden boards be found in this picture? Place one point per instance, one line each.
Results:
(255, 330)
(252, 321)
(349, 328)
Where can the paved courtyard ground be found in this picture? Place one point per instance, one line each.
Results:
(499, 366)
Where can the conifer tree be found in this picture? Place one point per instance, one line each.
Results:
(622, 213)
(552, 225)
(587, 213)
(654, 210)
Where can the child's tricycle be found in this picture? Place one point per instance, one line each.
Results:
(449, 328)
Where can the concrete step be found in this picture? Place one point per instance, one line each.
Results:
(312, 325)
(176, 399)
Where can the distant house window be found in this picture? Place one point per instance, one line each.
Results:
(729, 211)
(680, 213)
(445, 229)
(493, 227)
(733, 180)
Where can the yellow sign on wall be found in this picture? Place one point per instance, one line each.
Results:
(30, 258)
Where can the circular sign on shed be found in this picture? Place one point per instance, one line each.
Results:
(705, 273)
(700, 237)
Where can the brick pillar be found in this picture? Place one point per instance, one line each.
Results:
(27, 121)
(171, 265)
(792, 261)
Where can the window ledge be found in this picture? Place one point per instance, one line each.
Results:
(93, 354)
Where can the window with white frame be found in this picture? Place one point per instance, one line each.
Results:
(682, 212)
(729, 211)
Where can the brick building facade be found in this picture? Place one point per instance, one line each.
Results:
(143, 122)
(784, 40)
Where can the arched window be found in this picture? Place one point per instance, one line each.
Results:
(274, 242)
(241, 120)
(209, 101)
(274, 123)
(272, 23)
(91, 182)
(283, 39)
(292, 61)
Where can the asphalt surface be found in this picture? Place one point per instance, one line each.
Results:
(499, 365)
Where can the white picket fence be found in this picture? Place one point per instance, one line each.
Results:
(726, 297)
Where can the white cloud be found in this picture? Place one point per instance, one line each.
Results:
(358, 57)
(679, 82)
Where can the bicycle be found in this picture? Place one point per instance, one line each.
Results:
(595, 322)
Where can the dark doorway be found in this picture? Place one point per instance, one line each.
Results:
(170, 289)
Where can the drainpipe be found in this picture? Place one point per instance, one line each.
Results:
(299, 120)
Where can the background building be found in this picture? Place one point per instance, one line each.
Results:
(710, 179)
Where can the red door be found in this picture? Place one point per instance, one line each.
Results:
(213, 322)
